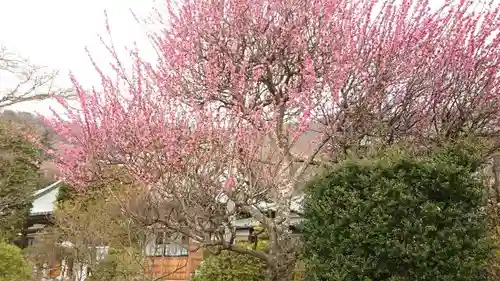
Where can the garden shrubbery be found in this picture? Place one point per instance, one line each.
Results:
(231, 266)
(13, 266)
(398, 217)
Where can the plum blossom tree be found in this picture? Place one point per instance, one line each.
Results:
(247, 95)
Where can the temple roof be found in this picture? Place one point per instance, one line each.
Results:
(44, 199)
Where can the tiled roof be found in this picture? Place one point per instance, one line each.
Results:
(295, 204)
(44, 199)
(251, 222)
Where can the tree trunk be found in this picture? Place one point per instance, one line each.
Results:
(496, 177)
(281, 271)
(282, 258)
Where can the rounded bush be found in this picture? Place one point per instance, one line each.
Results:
(13, 266)
(231, 266)
(398, 218)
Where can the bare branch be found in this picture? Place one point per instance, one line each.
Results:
(21, 81)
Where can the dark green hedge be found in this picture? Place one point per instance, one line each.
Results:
(398, 218)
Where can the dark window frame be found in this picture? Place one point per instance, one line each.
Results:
(163, 247)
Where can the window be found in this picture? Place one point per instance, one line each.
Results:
(30, 241)
(170, 246)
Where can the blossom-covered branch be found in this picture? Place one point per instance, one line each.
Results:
(247, 94)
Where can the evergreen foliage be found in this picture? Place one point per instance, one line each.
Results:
(398, 217)
(13, 266)
(19, 176)
(231, 266)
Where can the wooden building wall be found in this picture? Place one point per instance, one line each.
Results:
(175, 268)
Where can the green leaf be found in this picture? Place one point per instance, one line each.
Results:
(398, 217)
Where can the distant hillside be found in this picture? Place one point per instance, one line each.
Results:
(29, 119)
(49, 171)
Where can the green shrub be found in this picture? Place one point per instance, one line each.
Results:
(13, 266)
(231, 266)
(19, 177)
(398, 218)
(119, 265)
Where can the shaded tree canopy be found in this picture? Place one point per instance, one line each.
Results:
(19, 177)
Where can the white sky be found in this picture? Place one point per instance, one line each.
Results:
(54, 33)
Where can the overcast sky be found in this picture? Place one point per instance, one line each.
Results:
(54, 33)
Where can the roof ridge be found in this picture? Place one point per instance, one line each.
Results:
(41, 192)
